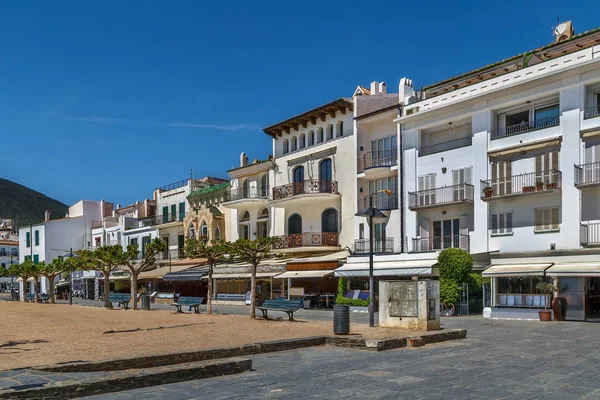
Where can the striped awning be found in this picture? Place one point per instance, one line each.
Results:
(188, 275)
(509, 270)
(574, 269)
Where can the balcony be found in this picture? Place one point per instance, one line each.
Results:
(170, 255)
(435, 243)
(590, 234)
(443, 196)
(445, 146)
(306, 192)
(168, 218)
(524, 184)
(591, 112)
(381, 201)
(587, 175)
(376, 164)
(308, 241)
(362, 246)
(242, 196)
(524, 127)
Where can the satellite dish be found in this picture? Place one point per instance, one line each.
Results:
(560, 29)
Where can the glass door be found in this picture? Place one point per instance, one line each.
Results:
(573, 289)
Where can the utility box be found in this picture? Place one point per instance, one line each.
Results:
(409, 304)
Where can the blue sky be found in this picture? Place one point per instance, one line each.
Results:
(112, 99)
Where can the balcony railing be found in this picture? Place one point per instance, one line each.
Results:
(586, 174)
(445, 146)
(534, 182)
(362, 246)
(306, 187)
(591, 112)
(376, 159)
(170, 217)
(461, 193)
(247, 193)
(173, 254)
(308, 239)
(590, 234)
(522, 300)
(523, 127)
(434, 243)
(381, 201)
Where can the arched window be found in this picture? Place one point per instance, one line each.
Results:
(191, 231)
(264, 185)
(262, 223)
(218, 233)
(299, 174)
(244, 226)
(245, 217)
(245, 189)
(311, 138)
(302, 141)
(204, 231)
(329, 220)
(325, 176)
(294, 224)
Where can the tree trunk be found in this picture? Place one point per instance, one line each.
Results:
(35, 287)
(253, 293)
(52, 297)
(107, 303)
(24, 291)
(210, 289)
(133, 278)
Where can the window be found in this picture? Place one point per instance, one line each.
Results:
(302, 141)
(145, 243)
(204, 230)
(294, 224)
(384, 151)
(311, 138)
(546, 169)
(36, 236)
(461, 178)
(218, 233)
(14, 252)
(133, 241)
(320, 135)
(548, 112)
(546, 219)
(294, 144)
(425, 189)
(2, 251)
(27, 239)
(361, 230)
(286, 146)
(340, 129)
(329, 132)
(518, 118)
(262, 229)
(502, 223)
(329, 220)
(36, 258)
(381, 200)
(181, 211)
(173, 212)
(244, 226)
(502, 178)
(27, 258)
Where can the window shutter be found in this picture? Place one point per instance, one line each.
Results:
(589, 154)
(509, 223)
(494, 223)
(501, 223)
(555, 218)
(468, 175)
(463, 225)
(555, 160)
(502, 178)
(455, 177)
(538, 165)
(508, 169)
(546, 218)
(538, 219)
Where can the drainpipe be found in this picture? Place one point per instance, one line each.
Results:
(401, 173)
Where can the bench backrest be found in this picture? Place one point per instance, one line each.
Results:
(31, 295)
(190, 300)
(282, 304)
(119, 297)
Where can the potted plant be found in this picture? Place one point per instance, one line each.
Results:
(488, 191)
(548, 289)
(559, 306)
(551, 186)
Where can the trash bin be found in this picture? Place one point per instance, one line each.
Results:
(145, 302)
(341, 319)
(14, 295)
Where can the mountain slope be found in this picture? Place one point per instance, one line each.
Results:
(27, 204)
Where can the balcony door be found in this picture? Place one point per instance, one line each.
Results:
(460, 177)
(264, 185)
(325, 175)
(246, 189)
(591, 169)
(545, 167)
(383, 151)
(446, 234)
(329, 227)
(502, 177)
(379, 238)
(298, 179)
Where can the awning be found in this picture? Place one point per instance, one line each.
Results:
(501, 270)
(388, 268)
(523, 147)
(188, 275)
(120, 278)
(305, 274)
(158, 273)
(190, 262)
(574, 269)
(338, 255)
(590, 132)
(243, 275)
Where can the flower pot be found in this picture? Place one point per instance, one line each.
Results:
(559, 307)
(545, 315)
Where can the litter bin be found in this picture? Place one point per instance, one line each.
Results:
(341, 319)
(145, 302)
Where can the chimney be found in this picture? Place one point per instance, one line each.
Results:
(405, 90)
(243, 160)
(382, 88)
(47, 216)
(374, 88)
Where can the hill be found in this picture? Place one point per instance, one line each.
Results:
(27, 204)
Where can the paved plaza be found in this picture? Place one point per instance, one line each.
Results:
(498, 360)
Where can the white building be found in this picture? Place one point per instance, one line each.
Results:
(54, 238)
(9, 254)
(501, 161)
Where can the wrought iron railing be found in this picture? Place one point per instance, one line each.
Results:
(170, 217)
(172, 254)
(378, 158)
(524, 183)
(433, 243)
(590, 233)
(591, 112)
(385, 245)
(381, 201)
(258, 192)
(586, 174)
(445, 146)
(529, 126)
(461, 193)
(307, 239)
(305, 187)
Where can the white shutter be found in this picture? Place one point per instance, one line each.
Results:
(468, 175)
(423, 244)
(554, 221)
(432, 187)
(494, 223)
(589, 154)
(463, 225)
(538, 219)
(546, 219)
(455, 177)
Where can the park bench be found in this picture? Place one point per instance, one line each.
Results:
(30, 297)
(43, 298)
(121, 298)
(193, 302)
(287, 306)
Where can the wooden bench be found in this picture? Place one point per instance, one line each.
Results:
(287, 306)
(193, 302)
(43, 298)
(30, 297)
(121, 298)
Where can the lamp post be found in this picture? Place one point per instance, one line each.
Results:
(371, 213)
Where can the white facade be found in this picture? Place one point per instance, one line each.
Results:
(9, 253)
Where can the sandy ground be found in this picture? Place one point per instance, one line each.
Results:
(41, 334)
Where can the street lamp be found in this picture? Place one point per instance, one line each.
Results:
(371, 213)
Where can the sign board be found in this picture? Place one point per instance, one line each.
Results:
(296, 291)
(403, 299)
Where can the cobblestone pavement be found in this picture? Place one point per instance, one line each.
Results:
(498, 360)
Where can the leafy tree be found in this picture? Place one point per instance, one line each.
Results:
(253, 252)
(24, 271)
(217, 251)
(36, 273)
(130, 259)
(55, 268)
(104, 259)
(455, 268)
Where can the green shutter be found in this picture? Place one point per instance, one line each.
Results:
(36, 235)
(181, 211)
(165, 214)
(27, 258)
(28, 239)
(173, 212)
(36, 258)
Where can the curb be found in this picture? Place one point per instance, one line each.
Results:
(389, 344)
(133, 379)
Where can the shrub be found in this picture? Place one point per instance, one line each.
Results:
(340, 299)
(449, 292)
(476, 282)
(455, 265)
